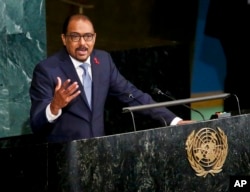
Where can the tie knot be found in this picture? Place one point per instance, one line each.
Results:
(85, 66)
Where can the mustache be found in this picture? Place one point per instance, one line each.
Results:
(82, 48)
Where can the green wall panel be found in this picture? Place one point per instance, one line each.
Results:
(22, 45)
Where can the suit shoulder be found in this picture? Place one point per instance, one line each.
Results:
(100, 52)
(102, 55)
(54, 59)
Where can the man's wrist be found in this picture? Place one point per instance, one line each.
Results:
(54, 110)
(49, 114)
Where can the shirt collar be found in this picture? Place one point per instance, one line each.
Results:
(77, 63)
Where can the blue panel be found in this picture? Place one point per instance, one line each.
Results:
(209, 65)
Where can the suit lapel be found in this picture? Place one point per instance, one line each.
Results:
(95, 66)
(70, 72)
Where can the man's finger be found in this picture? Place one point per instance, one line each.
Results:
(59, 83)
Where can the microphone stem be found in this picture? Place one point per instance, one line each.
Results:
(172, 98)
(238, 103)
(195, 111)
(132, 97)
(133, 119)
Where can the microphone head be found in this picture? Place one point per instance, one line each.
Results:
(157, 91)
(130, 95)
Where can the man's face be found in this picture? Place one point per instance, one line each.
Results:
(79, 47)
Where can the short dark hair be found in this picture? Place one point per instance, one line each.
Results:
(67, 20)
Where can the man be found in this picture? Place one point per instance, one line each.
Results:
(60, 109)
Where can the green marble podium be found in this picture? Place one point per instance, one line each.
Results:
(150, 160)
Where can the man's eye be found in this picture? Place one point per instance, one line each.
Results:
(88, 35)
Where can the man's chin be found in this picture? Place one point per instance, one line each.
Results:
(82, 57)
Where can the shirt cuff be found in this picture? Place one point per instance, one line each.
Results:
(50, 116)
(175, 121)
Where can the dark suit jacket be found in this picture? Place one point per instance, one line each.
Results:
(77, 120)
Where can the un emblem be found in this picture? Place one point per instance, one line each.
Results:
(207, 150)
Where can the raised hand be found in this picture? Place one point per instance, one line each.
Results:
(64, 94)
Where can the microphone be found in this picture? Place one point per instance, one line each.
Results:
(131, 96)
(159, 92)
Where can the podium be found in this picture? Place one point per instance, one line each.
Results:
(157, 159)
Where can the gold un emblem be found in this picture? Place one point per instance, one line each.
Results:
(207, 150)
